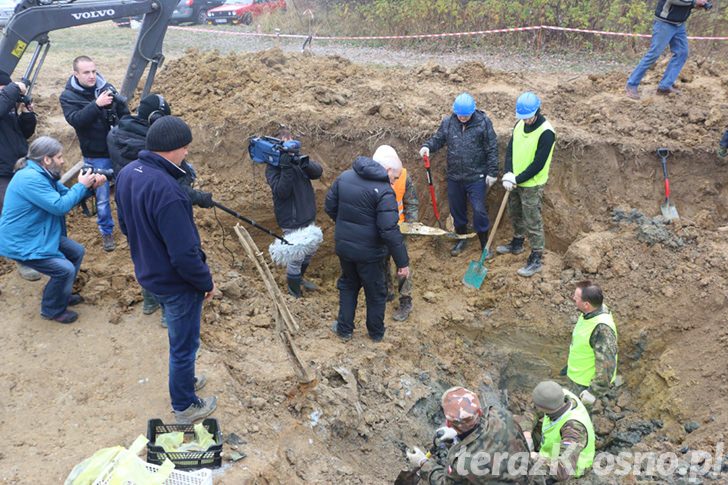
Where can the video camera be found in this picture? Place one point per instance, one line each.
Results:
(266, 149)
(99, 171)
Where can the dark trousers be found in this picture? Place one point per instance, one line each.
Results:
(458, 194)
(353, 277)
(183, 312)
(4, 182)
(62, 272)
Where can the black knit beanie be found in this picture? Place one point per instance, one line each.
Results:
(151, 104)
(5, 78)
(168, 133)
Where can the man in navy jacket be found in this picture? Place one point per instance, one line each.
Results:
(155, 214)
(363, 205)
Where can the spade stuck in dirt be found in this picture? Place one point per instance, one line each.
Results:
(477, 271)
(669, 211)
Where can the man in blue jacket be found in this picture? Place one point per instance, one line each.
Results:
(472, 165)
(155, 214)
(668, 29)
(362, 203)
(89, 106)
(294, 203)
(33, 226)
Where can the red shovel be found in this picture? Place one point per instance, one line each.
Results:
(426, 159)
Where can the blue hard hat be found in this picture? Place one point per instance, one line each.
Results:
(526, 105)
(464, 105)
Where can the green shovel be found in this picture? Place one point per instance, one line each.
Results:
(477, 271)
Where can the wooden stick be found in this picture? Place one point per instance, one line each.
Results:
(71, 172)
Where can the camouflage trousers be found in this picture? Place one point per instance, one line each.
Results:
(524, 208)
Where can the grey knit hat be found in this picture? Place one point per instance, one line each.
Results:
(168, 133)
(548, 395)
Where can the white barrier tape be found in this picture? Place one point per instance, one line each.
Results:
(429, 36)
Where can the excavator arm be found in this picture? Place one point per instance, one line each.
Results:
(34, 19)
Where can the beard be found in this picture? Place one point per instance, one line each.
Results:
(56, 170)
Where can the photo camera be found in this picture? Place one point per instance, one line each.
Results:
(266, 149)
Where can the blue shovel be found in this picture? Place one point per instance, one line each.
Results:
(477, 271)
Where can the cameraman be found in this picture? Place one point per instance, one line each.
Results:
(92, 107)
(294, 203)
(15, 129)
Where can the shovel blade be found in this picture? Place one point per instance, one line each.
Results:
(475, 275)
(669, 211)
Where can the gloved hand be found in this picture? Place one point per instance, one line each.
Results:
(416, 456)
(424, 151)
(444, 435)
(587, 397)
(489, 181)
(509, 181)
(204, 199)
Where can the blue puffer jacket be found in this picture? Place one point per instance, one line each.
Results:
(33, 218)
(363, 205)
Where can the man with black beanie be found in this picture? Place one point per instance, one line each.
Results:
(15, 129)
(155, 214)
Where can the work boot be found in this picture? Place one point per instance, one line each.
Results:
(294, 286)
(405, 308)
(307, 285)
(69, 316)
(343, 336)
(200, 382)
(669, 91)
(151, 304)
(197, 411)
(722, 152)
(459, 247)
(632, 92)
(533, 265)
(28, 273)
(108, 241)
(513, 247)
(75, 299)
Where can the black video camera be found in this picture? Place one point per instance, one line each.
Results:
(116, 95)
(266, 149)
(708, 5)
(99, 171)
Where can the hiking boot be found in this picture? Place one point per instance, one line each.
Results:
(669, 91)
(108, 241)
(200, 382)
(75, 299)
(343, 336)
(459, 247)
(632, 92)
(197, 411)
(513, 247)
(28, 273)
(533, 265)
(722, 152)
(66, 317)
(294, 286)
(151, 304)
(405, 308)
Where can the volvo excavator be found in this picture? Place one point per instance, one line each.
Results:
(34, 19)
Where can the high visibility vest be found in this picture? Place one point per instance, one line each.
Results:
(524, 149)
(551, 434)
(581, 366)
(399, 186)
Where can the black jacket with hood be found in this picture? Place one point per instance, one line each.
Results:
(15, 129)
(294, 200)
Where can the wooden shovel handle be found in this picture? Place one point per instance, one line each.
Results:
(497, 221)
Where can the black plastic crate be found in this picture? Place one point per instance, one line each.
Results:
(185, 460)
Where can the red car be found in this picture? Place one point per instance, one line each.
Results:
(242, 11)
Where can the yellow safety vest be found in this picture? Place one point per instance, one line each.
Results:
(400, 186)
(524, 149)
(581, 366)
(551, 434)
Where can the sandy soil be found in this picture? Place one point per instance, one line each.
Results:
(74, 389)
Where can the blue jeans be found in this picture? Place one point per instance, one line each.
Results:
(458, 194)
(62, 272)
(663, 34)
(353, 277)
(103, 205)
(183, 312)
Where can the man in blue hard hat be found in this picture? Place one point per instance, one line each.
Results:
(472, 165)
(527, 163)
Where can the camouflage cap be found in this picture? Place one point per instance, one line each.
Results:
(460, 404)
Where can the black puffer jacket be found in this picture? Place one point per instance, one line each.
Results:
(674, 12)
(294, 201)
(363, 205)
(91, 123)
(15, 129)
(128, 138)
(472, 147)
